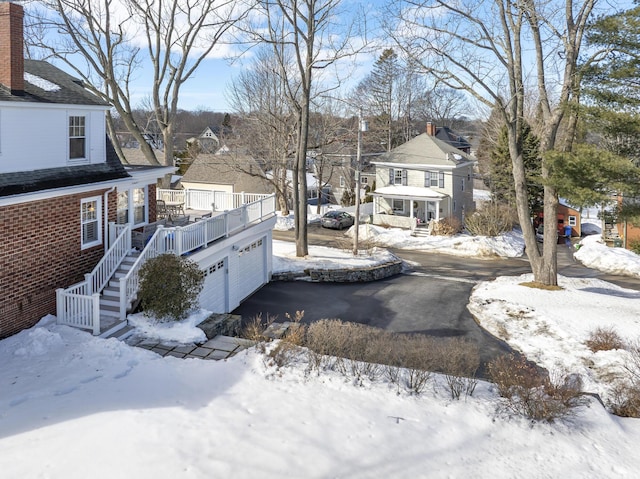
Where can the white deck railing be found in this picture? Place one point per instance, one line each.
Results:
(208, 199)
(79, 305)
(180, 240)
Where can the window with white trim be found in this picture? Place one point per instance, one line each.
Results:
(122, 217)
(139, 200)
(434, 179)
(342, 182)
(398, 206)
(573, 220)
(431, 179)
(77, 138)
(364, 180)
(90, 224)
(397, 177)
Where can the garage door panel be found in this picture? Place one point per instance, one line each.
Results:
(213, 296)
(251, 266)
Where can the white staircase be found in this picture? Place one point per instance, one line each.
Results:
(422, 231)
(110, 323)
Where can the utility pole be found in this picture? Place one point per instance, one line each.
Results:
(362, 126)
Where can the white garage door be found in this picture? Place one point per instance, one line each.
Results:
(251, 268)
(214, 293)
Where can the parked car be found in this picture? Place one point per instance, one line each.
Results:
(337, 220)
(540, 234)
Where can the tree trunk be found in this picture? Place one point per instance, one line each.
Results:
(300, 185)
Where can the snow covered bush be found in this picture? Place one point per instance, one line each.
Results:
(169, 287)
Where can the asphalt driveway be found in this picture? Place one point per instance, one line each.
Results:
(406, 303)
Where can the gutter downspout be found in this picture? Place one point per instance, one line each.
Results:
(106, 218)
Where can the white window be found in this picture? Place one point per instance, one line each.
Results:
(342, 182)
(431, 179)
(77, 138)
(573, 221)
(139, 200)
(397, 177)
(364, 180)
(122, 217)
(133, 207)
(434, 179)
(90, 216)
(398, 205)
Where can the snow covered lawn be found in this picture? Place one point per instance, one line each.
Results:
(74, 406)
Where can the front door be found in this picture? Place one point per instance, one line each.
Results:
(431, 210)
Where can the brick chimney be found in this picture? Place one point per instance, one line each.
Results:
(12, 47)
(431, 129)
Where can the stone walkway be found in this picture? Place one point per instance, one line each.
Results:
(219, 347)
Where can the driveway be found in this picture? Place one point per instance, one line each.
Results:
(429, 298)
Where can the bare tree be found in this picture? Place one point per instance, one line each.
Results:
(266, 122)
(114, 38)
(308, 32)
(441, 105)
(493, 49)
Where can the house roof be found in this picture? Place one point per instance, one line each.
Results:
(134, 156)
(447, 135)
(242, 172)
(49, 178)
(425, 150)
(45, 83)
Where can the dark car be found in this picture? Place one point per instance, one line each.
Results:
(337, 220)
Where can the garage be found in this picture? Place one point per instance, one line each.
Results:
(251, 268)
(214, 292)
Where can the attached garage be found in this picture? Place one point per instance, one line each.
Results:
(235, 267)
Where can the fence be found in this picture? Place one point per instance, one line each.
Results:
(208, 200)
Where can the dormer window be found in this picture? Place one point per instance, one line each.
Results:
(77, 138)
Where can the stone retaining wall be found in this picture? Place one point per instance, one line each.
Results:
(363, 275)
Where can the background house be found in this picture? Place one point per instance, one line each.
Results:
(226, 172)
(57, 194)
(422, 180)
(211, 139)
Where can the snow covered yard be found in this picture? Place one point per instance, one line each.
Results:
(74, 406)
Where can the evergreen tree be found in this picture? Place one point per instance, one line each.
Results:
(611, 86)
(500, 170)
(380, 95)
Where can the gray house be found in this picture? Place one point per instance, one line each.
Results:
(422, 180)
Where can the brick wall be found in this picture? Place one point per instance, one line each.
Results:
(40, 252)
(152, 204)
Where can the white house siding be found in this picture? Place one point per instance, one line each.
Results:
(187, 185)
(245, 271)
(452, 187)
(49, 127)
